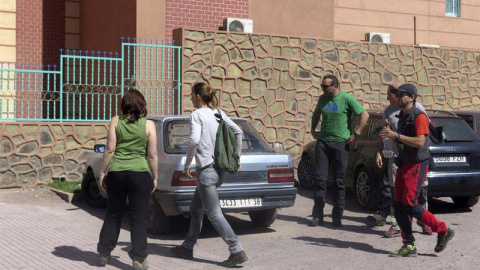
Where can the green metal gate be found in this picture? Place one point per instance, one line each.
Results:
(88, 85)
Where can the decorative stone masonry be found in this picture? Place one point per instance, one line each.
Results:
(275, 81)
(33, 152)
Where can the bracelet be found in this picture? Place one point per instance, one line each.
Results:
(397, 137)
(356, 134)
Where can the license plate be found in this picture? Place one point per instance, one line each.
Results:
(238, 203)
(449, 158)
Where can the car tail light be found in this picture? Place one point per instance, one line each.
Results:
(280, 175)
(181, 179)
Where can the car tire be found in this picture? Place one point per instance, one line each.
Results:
(158, 221)
(263, 218)
(365, 189)
(306, 172)
(466, 201)
(90, 191)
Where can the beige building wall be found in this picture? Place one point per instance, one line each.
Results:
(354, 18)
(307, 18)
(8, 26)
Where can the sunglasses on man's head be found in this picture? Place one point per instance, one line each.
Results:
(326, 86)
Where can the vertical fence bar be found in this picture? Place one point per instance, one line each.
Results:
(61, 88)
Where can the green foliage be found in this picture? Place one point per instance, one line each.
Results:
(61, 184)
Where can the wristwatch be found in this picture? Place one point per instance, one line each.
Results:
(356, 134)
(397, 136)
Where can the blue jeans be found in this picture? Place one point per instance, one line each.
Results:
(137, 187)
(205, 200)
(333, 157)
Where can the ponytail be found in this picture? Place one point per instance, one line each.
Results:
(206, 93)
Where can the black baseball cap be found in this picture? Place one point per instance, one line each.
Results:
(408, 88)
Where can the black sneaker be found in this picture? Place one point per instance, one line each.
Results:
(376, 219)
(182, 252)
(315, 222)
(235, 259)
(442, 240)
(337, 222)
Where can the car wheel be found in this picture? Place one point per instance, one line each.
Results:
(91, 192)
(364, 189)
(306, 172)
(159, 223)
(263, 218)
(467, 201)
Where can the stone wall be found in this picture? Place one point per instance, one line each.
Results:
(36, 152)
(275, 81)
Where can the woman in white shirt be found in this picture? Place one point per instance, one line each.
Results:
(203, 130)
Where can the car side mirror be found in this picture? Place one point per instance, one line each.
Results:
(99, 148)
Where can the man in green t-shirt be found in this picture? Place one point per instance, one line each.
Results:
(333, 141)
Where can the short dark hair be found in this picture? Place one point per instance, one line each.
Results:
(333, 78)
(133, 105)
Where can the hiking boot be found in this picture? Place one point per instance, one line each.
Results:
(442, 240)
(392, 232)
(235, 259)
(405, 251)
(104, 259)
(182, 252)
(425, 228)
(376, 219)
(139, 264)
(315, 222)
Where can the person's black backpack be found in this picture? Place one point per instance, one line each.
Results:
(225, 155)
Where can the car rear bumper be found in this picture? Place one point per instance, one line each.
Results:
(176, 203)
(447, 184)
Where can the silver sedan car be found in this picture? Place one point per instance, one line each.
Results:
(265, 183)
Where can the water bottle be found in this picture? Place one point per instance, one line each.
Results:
(387, 148)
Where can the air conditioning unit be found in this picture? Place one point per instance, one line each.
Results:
(377, 37)
(238, 25)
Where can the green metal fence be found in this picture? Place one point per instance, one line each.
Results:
(88, 85)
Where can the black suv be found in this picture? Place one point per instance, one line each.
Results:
(454, 167)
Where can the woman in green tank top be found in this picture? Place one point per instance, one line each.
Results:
(131, 159)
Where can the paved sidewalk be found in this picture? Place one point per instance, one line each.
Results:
(59, 235)
(36, 238)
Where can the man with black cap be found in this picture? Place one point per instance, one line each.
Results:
(411, 141)
(389, 170)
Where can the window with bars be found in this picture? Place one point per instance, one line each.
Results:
(452, 8)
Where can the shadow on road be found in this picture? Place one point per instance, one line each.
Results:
(91, 258)
(445, 206)
(329, 242)
(164, 251)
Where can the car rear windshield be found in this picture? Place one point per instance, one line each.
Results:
(177, 132)
(455, 129)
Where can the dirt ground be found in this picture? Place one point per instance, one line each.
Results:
(32, 195)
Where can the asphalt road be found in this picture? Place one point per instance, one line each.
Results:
(66, 235)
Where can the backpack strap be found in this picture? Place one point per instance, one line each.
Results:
(218, 115)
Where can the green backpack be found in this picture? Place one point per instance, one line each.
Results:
(225, 155)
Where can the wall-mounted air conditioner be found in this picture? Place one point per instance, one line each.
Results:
(377, 37)
(238, 25)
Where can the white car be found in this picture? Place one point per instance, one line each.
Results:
(265, 183)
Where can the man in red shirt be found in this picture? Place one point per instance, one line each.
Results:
(411, 141)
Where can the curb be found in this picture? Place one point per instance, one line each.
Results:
(68, 197)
